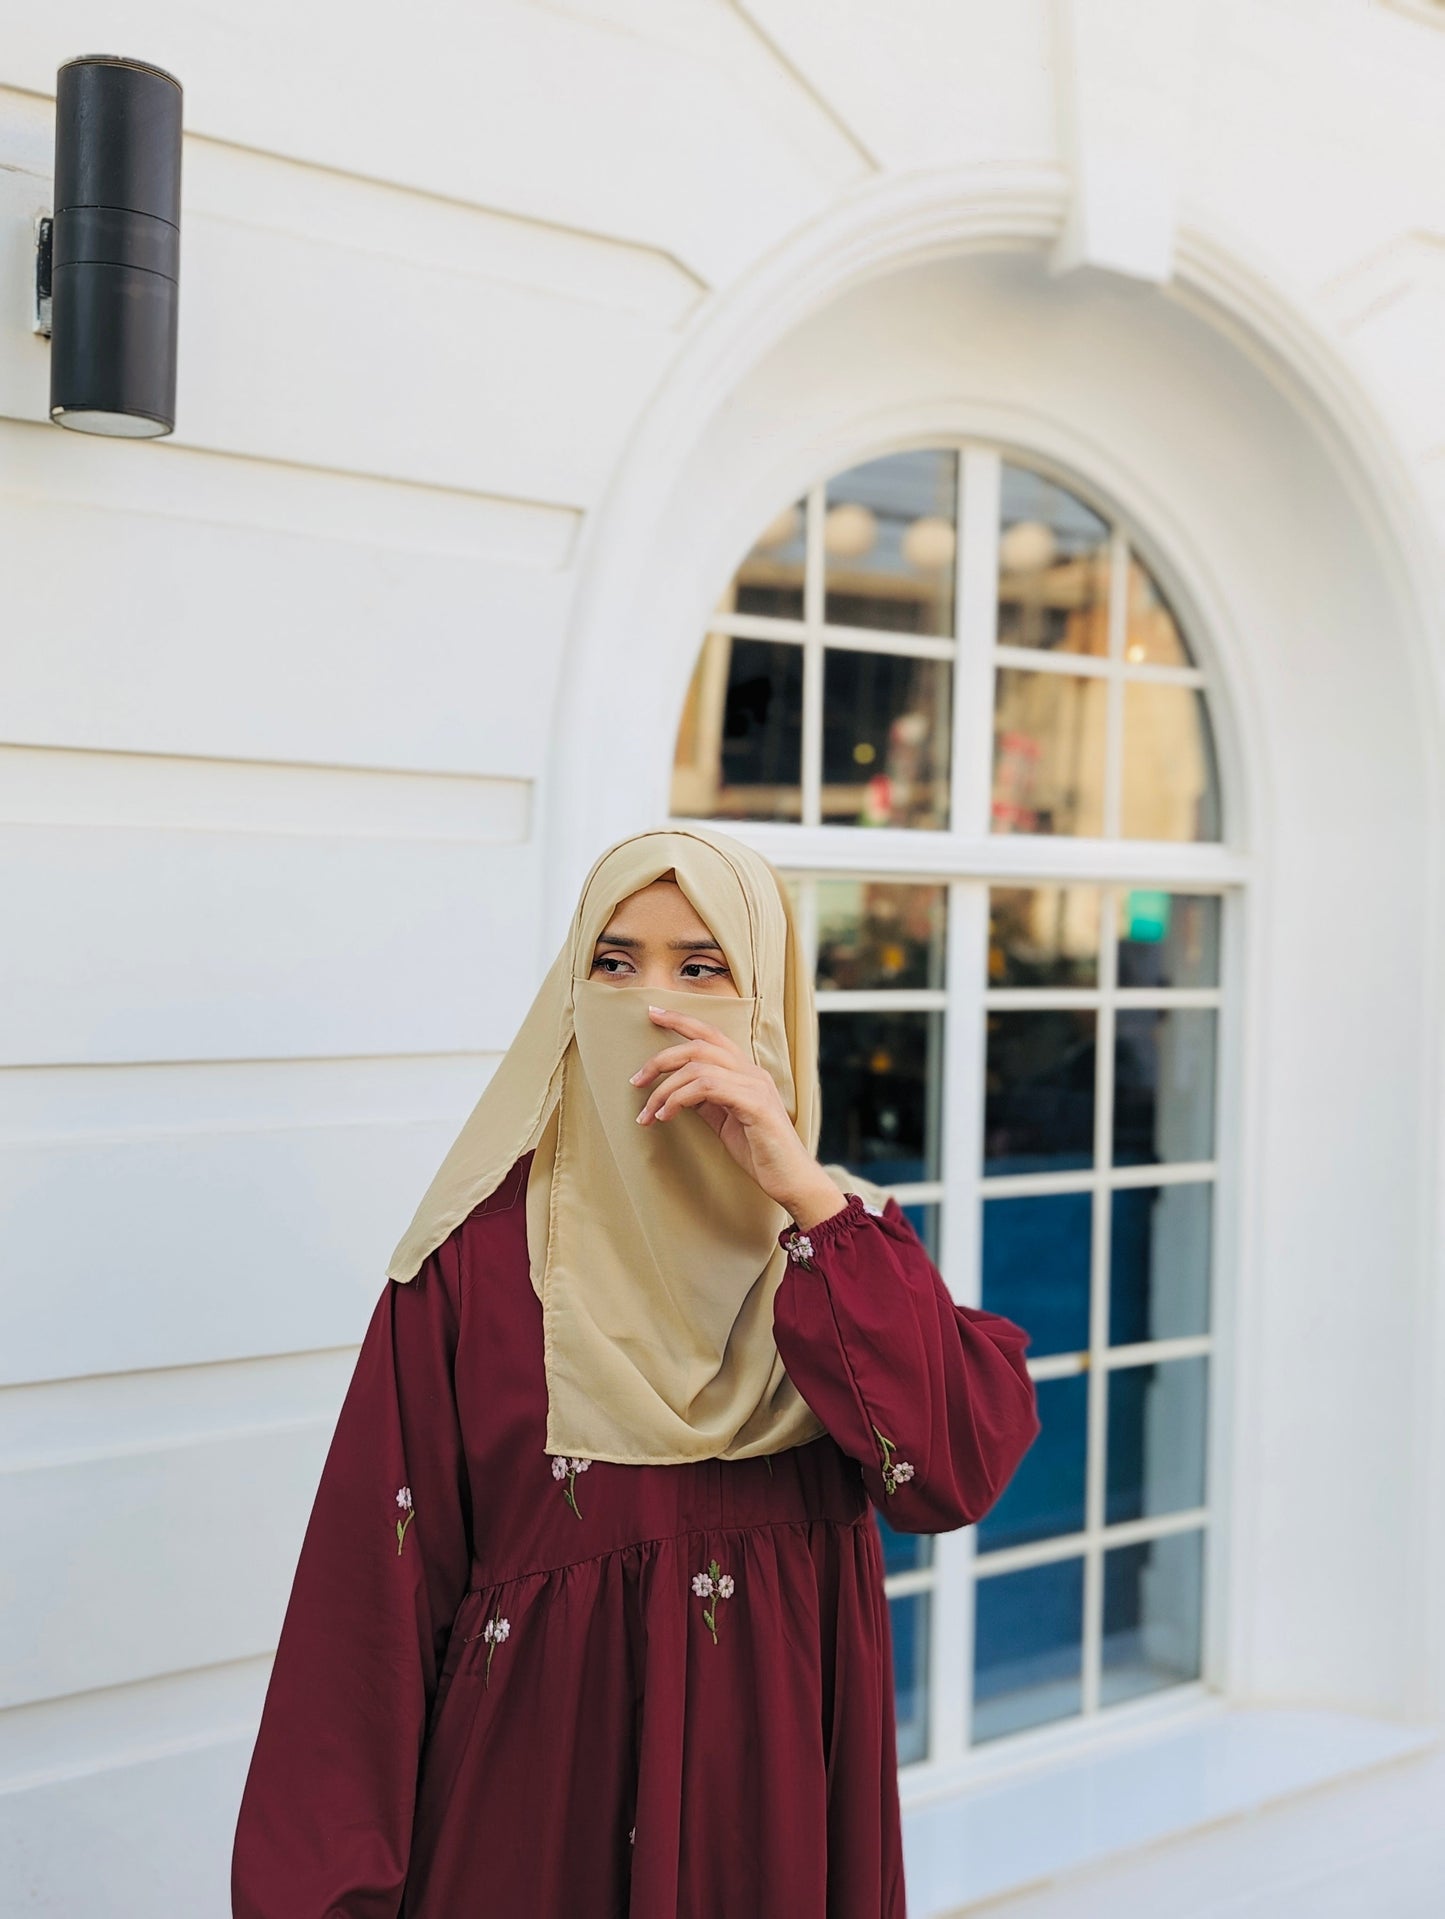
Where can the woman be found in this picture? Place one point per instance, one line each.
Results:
(589, 1615)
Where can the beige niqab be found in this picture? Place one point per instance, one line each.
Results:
(654, 1255)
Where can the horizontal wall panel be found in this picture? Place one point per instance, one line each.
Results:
(130, 1564)
(130, 944)
(230, 1096)
(43, 465)
(170, 1249)
(68, 1421)
(149, 1840)
(300, 350)
(84, 1735)
(712, 148)
(178, 635)
(42, 786)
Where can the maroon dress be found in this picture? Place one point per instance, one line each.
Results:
(510, 1686)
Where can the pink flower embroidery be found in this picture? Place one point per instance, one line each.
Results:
(494, 1632)
(895, 1472)
(403, 1499)
(568, 1469)
(712, 1585)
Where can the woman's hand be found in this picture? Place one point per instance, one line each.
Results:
(740, 1101)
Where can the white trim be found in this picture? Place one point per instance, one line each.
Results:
(1148, 1773)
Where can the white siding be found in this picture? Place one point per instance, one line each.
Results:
(277, 700)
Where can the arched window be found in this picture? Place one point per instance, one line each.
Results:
(1019, 985)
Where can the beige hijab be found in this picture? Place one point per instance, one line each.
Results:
(655, 1256)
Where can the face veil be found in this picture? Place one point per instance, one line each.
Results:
(654, 1256)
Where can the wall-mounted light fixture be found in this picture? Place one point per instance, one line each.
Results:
(107, 278)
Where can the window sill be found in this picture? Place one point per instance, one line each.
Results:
(986, 1834)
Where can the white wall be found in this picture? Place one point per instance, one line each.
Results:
(277, 725)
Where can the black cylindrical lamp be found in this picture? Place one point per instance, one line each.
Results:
(116, 247)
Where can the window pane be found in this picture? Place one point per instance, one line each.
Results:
(1039, 1090)
(1159, 1244)
(881, 1079)
(1036, 1267)
(885, 739)
(1048, 753)
(770, 579)
(740, 746)
(1163, 1084)
(924, 1219)
(888, 544)
(1028, 1648)
(1150, 631)
(908, 1622)
(903, 1552)
(874, 933)
(1053, 568)
(1043, 936)
(1153, 1615)
(1170, 789)
(1156, 1439)
(1168, 939)
(1045, 1497)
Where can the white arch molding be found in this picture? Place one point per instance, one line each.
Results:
(1268, 497)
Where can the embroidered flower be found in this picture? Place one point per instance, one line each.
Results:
(799, 1246)
(567, 1468)
(403, 1499)
(494, 1632)
(712, 1585)
(895, 1472)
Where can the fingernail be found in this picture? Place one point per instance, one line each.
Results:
(654, 1009)
(633, 1078)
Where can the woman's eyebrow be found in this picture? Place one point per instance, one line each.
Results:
(676, 946)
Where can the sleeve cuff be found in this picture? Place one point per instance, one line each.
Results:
(801, 1246)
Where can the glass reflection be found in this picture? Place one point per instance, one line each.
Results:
(908, 1622)
(1163, 1084)
(881, 1079)
(1028, 1648)
(1045, 1497)
(1153, 1616)
(1043, 936)
(1170, 782)
(739, 752)
(1036, 1267)
(880, 933)
(1168, 939)
(1039, 1090)
(1151, 633)
(885, 739)
(1155, 1460)
(1159, 1254)
(770, 579)
(889, 540)
(1053, 568)
(1048, 753)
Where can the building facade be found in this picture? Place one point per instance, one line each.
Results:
(993, 459)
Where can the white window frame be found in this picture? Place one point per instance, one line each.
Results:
(968, 858)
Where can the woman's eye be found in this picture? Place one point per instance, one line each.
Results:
(708, 972)
(609, 960)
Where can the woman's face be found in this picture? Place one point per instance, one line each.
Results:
(655, 938)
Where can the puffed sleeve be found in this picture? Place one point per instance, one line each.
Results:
(933, 1399)
(325, 1821)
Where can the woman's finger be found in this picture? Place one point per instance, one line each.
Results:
(673, 1056)
(698, 1084)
